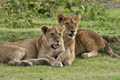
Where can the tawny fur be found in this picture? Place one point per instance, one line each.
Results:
(87, 42)
(71, 25)
(35, 50)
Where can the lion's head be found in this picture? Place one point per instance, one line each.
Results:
(70, 23)
(53, 36)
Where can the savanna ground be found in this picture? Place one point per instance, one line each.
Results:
(97, 68)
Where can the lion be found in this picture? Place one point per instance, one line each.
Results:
(35, 51)
(87, 42)
(71, 26)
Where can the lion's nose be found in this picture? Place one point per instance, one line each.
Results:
(57, 41)
(72, 31)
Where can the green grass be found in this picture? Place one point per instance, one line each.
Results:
(12, 35)
(97, 68)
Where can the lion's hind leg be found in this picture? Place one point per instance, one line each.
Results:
(90, 54)
(15, 60)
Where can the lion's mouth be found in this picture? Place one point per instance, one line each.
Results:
(71, 35)
(55, 46)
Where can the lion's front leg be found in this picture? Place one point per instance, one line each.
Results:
(16, 59)
(39, 61)
(53, 61)
(70, 59)
(63, 56)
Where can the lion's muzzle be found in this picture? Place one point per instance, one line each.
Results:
(55, 46)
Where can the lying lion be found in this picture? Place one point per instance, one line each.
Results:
(35, 50)
(87, 42)
(71, 26)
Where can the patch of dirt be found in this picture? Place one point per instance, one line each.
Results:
(109, 3)
(111, 39)
(113, 5)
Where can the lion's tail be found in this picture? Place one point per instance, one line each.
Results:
(110, 52)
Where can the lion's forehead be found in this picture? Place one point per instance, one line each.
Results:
(70, 20)
(54, 30)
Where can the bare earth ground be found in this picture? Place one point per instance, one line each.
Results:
(109, 3)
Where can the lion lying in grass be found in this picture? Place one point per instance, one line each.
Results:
(87, 42)
(41, 50)
(71, 26)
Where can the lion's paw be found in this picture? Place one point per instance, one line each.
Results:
(66, 63)
(84, 55)
(43, 61)
(26, 63)
(57, 64)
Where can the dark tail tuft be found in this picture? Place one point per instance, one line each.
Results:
(115, 56)
(110, 52)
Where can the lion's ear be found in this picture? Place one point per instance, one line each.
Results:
(77, 18)
(60, 17)
(44, 29)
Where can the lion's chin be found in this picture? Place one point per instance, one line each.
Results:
(55, 46)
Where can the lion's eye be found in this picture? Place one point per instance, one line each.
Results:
(67, 24)
(52, 34)
(60, 34)
(75, 24)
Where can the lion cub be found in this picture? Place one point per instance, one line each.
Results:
(87, 42)
(35, 50)
(71, 26)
